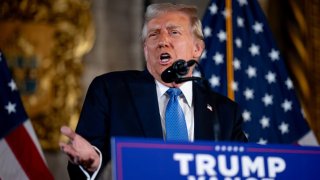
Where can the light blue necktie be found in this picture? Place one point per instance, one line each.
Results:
(176, 128)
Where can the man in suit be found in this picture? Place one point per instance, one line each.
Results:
(133, 103)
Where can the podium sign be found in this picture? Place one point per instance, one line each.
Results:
(155, 159)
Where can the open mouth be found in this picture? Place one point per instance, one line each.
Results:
(165, 57)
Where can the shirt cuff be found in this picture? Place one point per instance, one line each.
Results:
(96, 172)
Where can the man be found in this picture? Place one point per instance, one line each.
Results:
(133, 103)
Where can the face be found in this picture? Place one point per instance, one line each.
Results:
(169, 38)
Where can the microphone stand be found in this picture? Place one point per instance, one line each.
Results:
(184, 79)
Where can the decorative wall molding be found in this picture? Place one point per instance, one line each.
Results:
(44, 42)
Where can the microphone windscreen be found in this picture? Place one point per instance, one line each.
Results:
(180, 67)
(191, 62)
(177, 70)
(168, 75)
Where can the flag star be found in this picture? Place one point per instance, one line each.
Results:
(242, 2)
(251, 71)
(262, 141)
(240, 21)
(11, 107)
(218, 58)
(12, 85)
(257, 27)
(204, 54)
(207, 32)
(226, 13)
(258, 61)
(246, 134)
(214, 81)
(286, 105)
(248, 93)
(267, 99)
(254, 50)
(303, 113)
(238, 42)
(222, 36)
(271, 77)
(274, 55)
(284, 128)
(246, 115)
(234, 86)
(289, 83)
(213, 9)
(196, 74)
(236, 64)
(265, 122)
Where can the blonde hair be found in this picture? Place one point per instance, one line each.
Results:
(155, 10)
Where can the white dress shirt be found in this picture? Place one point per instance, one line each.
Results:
(185, 102)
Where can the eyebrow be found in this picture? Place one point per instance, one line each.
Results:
(174, 27)
(170, 27)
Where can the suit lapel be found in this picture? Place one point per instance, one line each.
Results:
(144, 94)
(203, 114)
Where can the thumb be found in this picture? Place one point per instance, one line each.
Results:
(67, 131)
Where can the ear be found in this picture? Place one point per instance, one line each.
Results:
(198, 49)
(145, 51)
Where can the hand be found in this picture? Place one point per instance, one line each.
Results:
(79, 150)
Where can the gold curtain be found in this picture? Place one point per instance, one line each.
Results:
(296, 25)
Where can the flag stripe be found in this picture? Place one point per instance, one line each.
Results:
(21, 147)
(34, 165)
(308, 139)
(9, 166)
(28, 126)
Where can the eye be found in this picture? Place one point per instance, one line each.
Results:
(175, 32)
(152, 34)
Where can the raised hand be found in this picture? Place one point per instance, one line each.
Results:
(79, 150)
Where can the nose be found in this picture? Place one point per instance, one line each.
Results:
(163, 44)
(163, 41)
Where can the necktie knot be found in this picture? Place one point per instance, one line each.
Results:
(174, 92)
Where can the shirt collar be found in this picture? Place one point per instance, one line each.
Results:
(186, 89)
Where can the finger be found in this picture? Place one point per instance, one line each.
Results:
(72, 154)
(68, 149)
(65, 130)
(71, 159)
(62, 144)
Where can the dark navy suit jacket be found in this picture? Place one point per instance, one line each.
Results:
(125, 104)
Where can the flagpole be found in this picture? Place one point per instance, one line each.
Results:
(229, 49)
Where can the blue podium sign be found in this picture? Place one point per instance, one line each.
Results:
(155, 159)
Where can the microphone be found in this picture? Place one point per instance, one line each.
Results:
(175, 73)
(177, 70)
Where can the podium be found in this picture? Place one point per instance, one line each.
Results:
(152, 159)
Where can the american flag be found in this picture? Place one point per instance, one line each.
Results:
(261, 84)
(20, 153)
